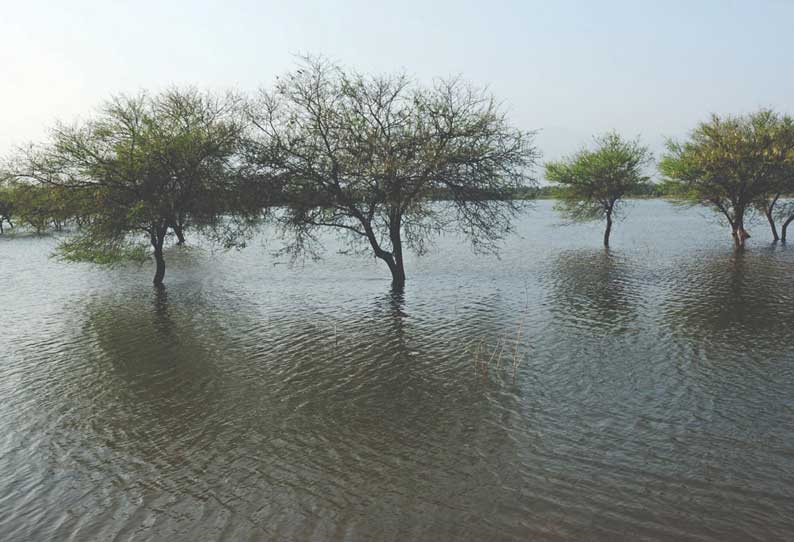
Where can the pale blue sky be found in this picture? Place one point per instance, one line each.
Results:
(569, 68)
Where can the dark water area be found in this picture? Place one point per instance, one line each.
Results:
(649, 394)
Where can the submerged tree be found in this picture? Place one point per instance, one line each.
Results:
(6, 209)
(6, 201)
(734, 165)
(779, 158)
(39, 207)
(786, 215)
(784, 211)
(143, 165)
(368, 156)
(593, 182)
(33, 206)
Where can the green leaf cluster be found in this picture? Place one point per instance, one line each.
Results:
(591, 182)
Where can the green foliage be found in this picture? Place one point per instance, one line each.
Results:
(143, 165)
(37, 207)
(367, 155)
(733, 164)
(7, 200)
(591, 182)
(88, 246)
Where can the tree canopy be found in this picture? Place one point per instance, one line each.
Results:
(384, 161)
(592, 182)
(144, 165)
(366, 155)
(734, 165)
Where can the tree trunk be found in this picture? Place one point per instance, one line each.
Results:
(740, 235)
(180, 234)
(737, 239)
(398, 274)
(785, 227)
(769, 209)
(395, 263)
(398, 269)
(608, 231)
(771, 219)
(159, 273)
(157, 239)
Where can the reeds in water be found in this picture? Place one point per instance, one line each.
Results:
(489, 361)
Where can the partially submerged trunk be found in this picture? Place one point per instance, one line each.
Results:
(398, 269)
(788, 221)
(159, 273)
(180, 234)
(772, 226)
(741, 236)
(608, 230)
(738, 232)
(769, 208)
(395, 267)
(736, 221)
(393, 259)
(157, 234)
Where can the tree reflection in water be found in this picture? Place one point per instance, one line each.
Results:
(735, 300)
(593, 291)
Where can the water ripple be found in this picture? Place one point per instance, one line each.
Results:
(562, 392)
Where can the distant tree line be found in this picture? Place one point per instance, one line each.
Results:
(385, 162)
(646, 189)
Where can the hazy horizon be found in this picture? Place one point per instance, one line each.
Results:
(570, 70)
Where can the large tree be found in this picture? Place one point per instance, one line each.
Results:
(734, 165)
(387, 162)
(146, 164)
(592, 182)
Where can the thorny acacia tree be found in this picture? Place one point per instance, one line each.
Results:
(779, 156)
(593, 182)
(734, 165)
(148, 164)
(368, 156)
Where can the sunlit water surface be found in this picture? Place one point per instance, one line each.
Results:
(650, 396)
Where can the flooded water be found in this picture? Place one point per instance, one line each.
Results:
(558, 393)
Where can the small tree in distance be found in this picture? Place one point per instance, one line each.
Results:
(6, 202)
(593, 182)
(386, 162)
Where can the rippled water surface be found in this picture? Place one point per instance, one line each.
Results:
(558, 393)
